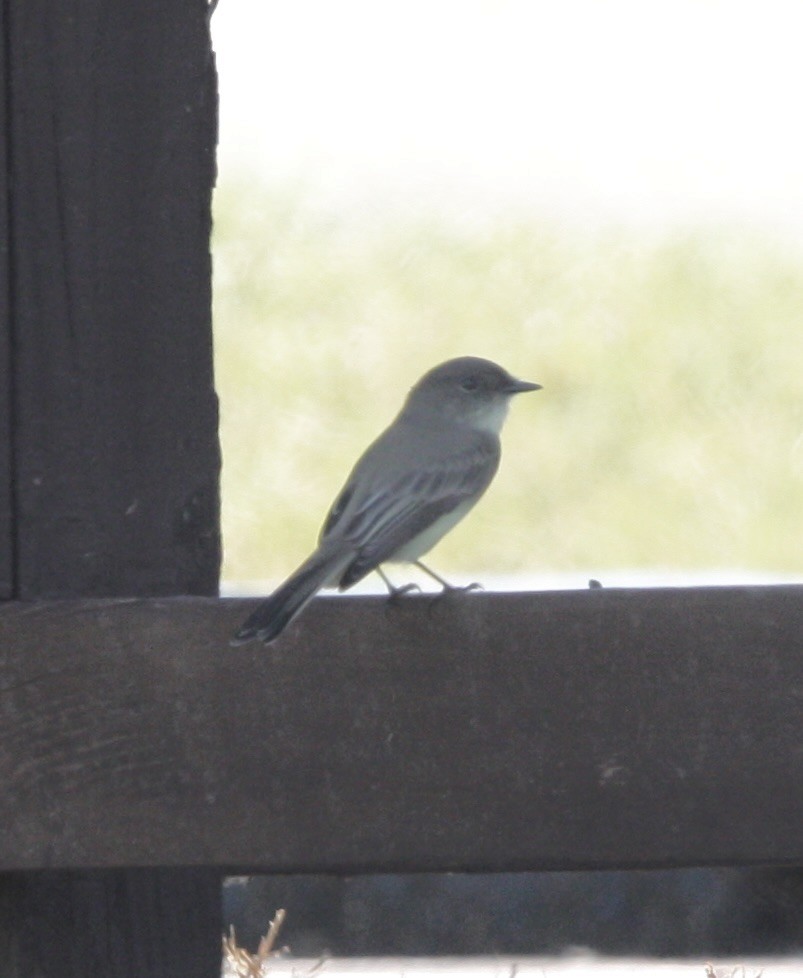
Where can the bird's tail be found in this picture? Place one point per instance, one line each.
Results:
(276, 612)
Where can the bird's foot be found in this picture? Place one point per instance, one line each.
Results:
(465, 588)
(445, 585)
(397, 593)
(449, 589)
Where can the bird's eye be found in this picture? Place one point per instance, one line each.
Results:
(469, 384)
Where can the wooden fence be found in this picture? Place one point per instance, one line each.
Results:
(141, 758)
(595, 729)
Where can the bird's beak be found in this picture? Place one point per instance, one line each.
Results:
(521, 386)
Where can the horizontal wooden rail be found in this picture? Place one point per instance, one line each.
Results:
(606, 728)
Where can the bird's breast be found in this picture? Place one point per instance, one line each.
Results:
(425, 541)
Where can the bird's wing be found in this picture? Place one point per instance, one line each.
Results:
(406, 526)
(385, 519)
(337, 510)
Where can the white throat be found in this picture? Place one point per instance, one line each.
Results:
(492, 416)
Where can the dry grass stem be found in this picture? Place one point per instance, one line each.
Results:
(245, 964)
(738, 972)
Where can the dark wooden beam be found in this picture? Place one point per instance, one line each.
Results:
(136, 923)
(108, 417)
(112, 119)
(606, 728)
(6, 395)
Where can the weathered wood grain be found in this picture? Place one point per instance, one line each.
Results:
(605, 728)
(112, 117)
(108, 417)
(6, 477)
(136, 923)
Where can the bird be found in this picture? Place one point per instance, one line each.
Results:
(412, 485)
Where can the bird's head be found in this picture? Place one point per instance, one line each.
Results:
(467, 390)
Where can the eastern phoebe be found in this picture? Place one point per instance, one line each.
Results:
(413, 484)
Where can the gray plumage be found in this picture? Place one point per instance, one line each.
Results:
(413, 484)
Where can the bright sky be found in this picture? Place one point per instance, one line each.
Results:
(639, 109)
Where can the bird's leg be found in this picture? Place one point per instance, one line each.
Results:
(444, 583)
(394, 593)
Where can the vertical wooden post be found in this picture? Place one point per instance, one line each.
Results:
(112, 136)
(6, 549)
(108, 417)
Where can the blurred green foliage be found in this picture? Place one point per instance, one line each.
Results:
(669, 433)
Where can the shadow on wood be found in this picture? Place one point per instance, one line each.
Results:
(134, 922)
